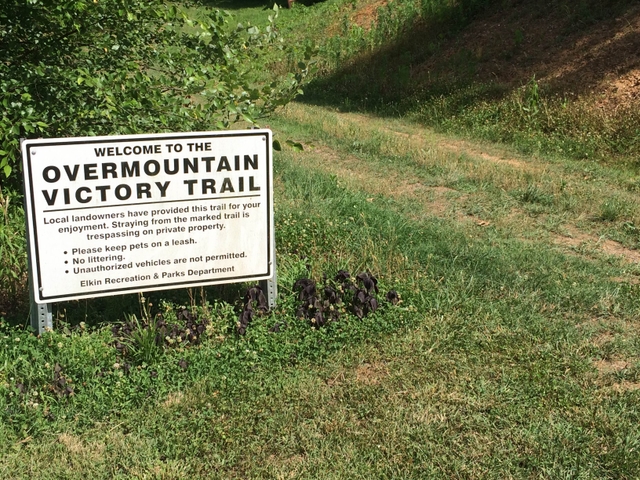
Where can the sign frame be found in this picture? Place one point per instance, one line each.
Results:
(255, 255)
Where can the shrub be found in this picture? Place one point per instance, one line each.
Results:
(13, 255)
(84, 67)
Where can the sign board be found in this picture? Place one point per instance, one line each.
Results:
(110, 215)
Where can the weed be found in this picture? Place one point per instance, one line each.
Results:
(533, 194)
(531, 103)
(144, 340)
(612, 209)
(518, 37)
(139, 340)
(13, 255)
(255, 303)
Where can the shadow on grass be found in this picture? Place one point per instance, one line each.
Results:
(483, 52)
(108, 310)
(234, 4)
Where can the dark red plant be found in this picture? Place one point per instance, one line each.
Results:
(255, 302)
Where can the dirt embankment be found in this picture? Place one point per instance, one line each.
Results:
(588, 54)
(511, 46)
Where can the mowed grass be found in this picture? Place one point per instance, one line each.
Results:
(510, 356)
(514, 352)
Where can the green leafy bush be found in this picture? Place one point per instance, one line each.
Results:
(92, 67)
(13, 254)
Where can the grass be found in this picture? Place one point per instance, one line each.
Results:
(514, 352)
(470, 87)
(519, 355)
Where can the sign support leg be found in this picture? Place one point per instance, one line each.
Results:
(270, 288)
(40, 313)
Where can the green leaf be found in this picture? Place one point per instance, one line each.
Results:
(128, 67)
(296, 146)
(277, 146)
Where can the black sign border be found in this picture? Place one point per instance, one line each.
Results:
(32, 228)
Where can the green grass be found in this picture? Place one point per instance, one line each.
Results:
(514, 352)
(503, 359)
(362, 70)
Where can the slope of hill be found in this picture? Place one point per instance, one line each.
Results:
(552, 76)
(514, 351)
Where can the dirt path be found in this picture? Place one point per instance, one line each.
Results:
(476, 185)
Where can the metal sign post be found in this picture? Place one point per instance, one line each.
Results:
(41, 317)
(270, 286)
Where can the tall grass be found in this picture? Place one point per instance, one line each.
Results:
(377, 68)
(542, 122)
(13, 255)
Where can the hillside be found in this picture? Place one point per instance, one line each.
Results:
(457, 233)
(569, 55)
(577, 66)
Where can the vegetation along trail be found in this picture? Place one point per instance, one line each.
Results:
(583, 210)
(521, 268)
(472, 174)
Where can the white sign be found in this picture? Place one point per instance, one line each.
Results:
(109, 215)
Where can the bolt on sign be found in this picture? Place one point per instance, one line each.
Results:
(111, 215)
